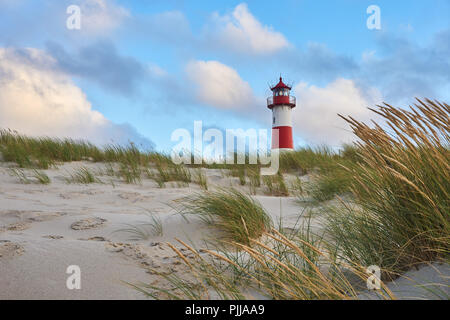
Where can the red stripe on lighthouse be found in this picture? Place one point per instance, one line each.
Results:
(285, 138)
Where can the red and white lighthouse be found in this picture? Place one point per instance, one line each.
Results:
(281, 103)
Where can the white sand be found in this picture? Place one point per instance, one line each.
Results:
(428, 282)
(46, 228)
(37, 242)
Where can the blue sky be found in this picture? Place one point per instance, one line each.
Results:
(138, 70)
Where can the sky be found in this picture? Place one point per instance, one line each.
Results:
(139, 70)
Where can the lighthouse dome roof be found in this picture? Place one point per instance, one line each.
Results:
(281, 84)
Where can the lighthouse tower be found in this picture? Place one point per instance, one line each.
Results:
(281, 103)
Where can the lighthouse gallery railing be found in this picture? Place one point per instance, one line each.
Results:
(281, 100)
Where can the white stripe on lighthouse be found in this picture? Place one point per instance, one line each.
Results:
(281, 116)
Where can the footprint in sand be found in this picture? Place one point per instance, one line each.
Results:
(129, 195)
(19, 226)
(45, 216)
(53, 237)
(157, 259)
(92, 192)
(71, 195)
(89, 223)
(29, 216)
(26, 218)
(10, 249)
(154, 257)
(96, 238)
(134, 196)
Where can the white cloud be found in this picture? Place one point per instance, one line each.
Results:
(101, 16)
(242, 32)
(315, 118)
(37, 99)
(219, 85)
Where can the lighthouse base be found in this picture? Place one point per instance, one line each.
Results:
(282, 137)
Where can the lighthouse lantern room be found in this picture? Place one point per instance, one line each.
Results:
(281, 103)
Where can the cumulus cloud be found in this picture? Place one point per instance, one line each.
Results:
(242, 32)
(45, 102)
(220, 86)
(316, 117)
(25, 21)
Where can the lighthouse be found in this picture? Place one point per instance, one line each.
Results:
(281, 102)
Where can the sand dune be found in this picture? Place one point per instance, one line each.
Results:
(46, 228)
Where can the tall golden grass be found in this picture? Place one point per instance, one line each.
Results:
(277, 266)
(402, 187)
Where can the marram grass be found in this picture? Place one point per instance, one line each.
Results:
(277, 266)
(83, 175)
(240, 216)
(402, 189)
(143, 230)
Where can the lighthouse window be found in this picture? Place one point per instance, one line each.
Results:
(273, 120)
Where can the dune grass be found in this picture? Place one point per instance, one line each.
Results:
(326, 168)
(200, 179)
(83, 175)
(44, 152)
(41, 177)
(307, 159)
(20, 175)
(238, 171)
(326, 185)
(240, 216)
(130, 173)
(276, 185)
(143, 230)
(297, 266)
(296, 187)
(402, 189)
(168, 171)
(38, 175)
(254, 175)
